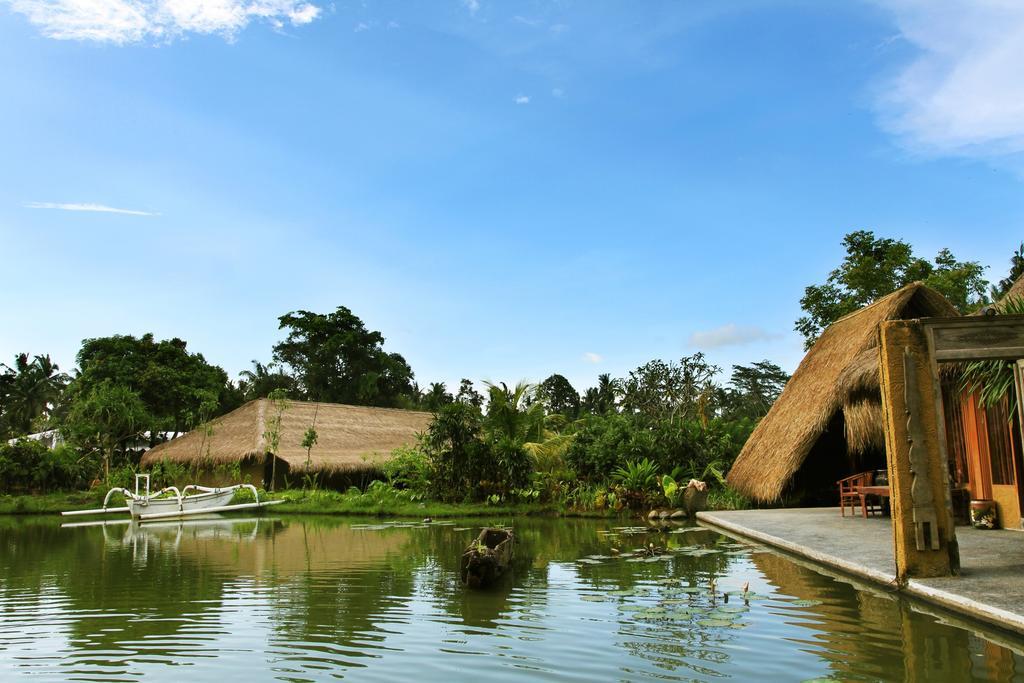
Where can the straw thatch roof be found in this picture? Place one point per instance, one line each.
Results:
(839, 373)
(349, 437)
(1017, 290)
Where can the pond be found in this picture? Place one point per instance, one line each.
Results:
(317, 599)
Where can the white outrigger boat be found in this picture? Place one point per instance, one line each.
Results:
(170, 503)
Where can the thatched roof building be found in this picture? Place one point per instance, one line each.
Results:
(830, 412)
(349, 438)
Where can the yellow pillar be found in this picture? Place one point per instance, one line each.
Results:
(922, 515)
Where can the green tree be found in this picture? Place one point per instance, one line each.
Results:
(1000, 289)
(558, 396)
(604, 397)
(469, 395)
(874, 267)
(104, 418)
(513, 414)
(310, 438)
(272, 434)
(263, 379)
(172, 383)
(436, 396)
(28, 391)
(667, 391)
(753, 389)
(335, 358)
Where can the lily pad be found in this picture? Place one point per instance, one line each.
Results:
(624, 593)
(633, 608)
(593, 598)
(678, 615)
(724, 616)
(714, 623)
(587, 560)
(734, 609)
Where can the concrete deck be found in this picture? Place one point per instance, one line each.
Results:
(990, 587)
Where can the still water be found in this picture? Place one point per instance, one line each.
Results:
(318, 599)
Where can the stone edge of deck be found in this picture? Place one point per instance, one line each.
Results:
(914, 587)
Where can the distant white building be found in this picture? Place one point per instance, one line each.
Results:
(52, 438)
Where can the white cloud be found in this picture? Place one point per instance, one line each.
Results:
(730, 334)
(360, 27)
(557, 92)
(472, 5)
(522, 99)
(87, 207)
(132, 21)
(963, 92)
(592, 357)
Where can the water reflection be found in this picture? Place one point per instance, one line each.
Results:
(324, 598)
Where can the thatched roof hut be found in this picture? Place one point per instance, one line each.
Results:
(830, 411)
(348, 437)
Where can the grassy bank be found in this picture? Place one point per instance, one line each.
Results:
(388, 503)
(306, 502)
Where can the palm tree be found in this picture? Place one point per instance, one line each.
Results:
(263, 379)
(513, 414)
(607, 393)
(32, 390)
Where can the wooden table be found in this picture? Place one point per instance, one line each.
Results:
(865, 491)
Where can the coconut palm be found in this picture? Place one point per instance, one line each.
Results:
(513, 414)
(263, 379)
(31, 391)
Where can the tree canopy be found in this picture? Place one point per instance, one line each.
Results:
(753, 389)
(1000, 289)
(335, 358)
(661, 390)
(28, 391)
(874, 267)
(558, 396)
(177, 389)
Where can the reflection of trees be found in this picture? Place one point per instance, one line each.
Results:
(151, 590)
(333, 596)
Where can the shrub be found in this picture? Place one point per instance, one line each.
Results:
(638, 479)
(28, 465)
(409, 468)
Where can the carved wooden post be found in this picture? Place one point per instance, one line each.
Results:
(922, 516)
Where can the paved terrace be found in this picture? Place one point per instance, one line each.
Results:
(990, 587)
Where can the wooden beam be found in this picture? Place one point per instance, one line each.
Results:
(981, 337)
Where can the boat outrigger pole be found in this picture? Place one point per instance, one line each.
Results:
(169, 502)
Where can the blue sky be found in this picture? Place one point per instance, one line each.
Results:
(505, 190)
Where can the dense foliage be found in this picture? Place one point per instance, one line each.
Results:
(627, 440)
(28, 393)
(335, 358)
(177, 389)
(30, 466)
(874, 267)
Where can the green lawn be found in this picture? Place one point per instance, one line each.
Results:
(304, 502)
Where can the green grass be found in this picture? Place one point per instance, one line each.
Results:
(323, 502)
(298, 501)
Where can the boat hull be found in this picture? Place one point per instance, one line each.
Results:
(189, 504)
